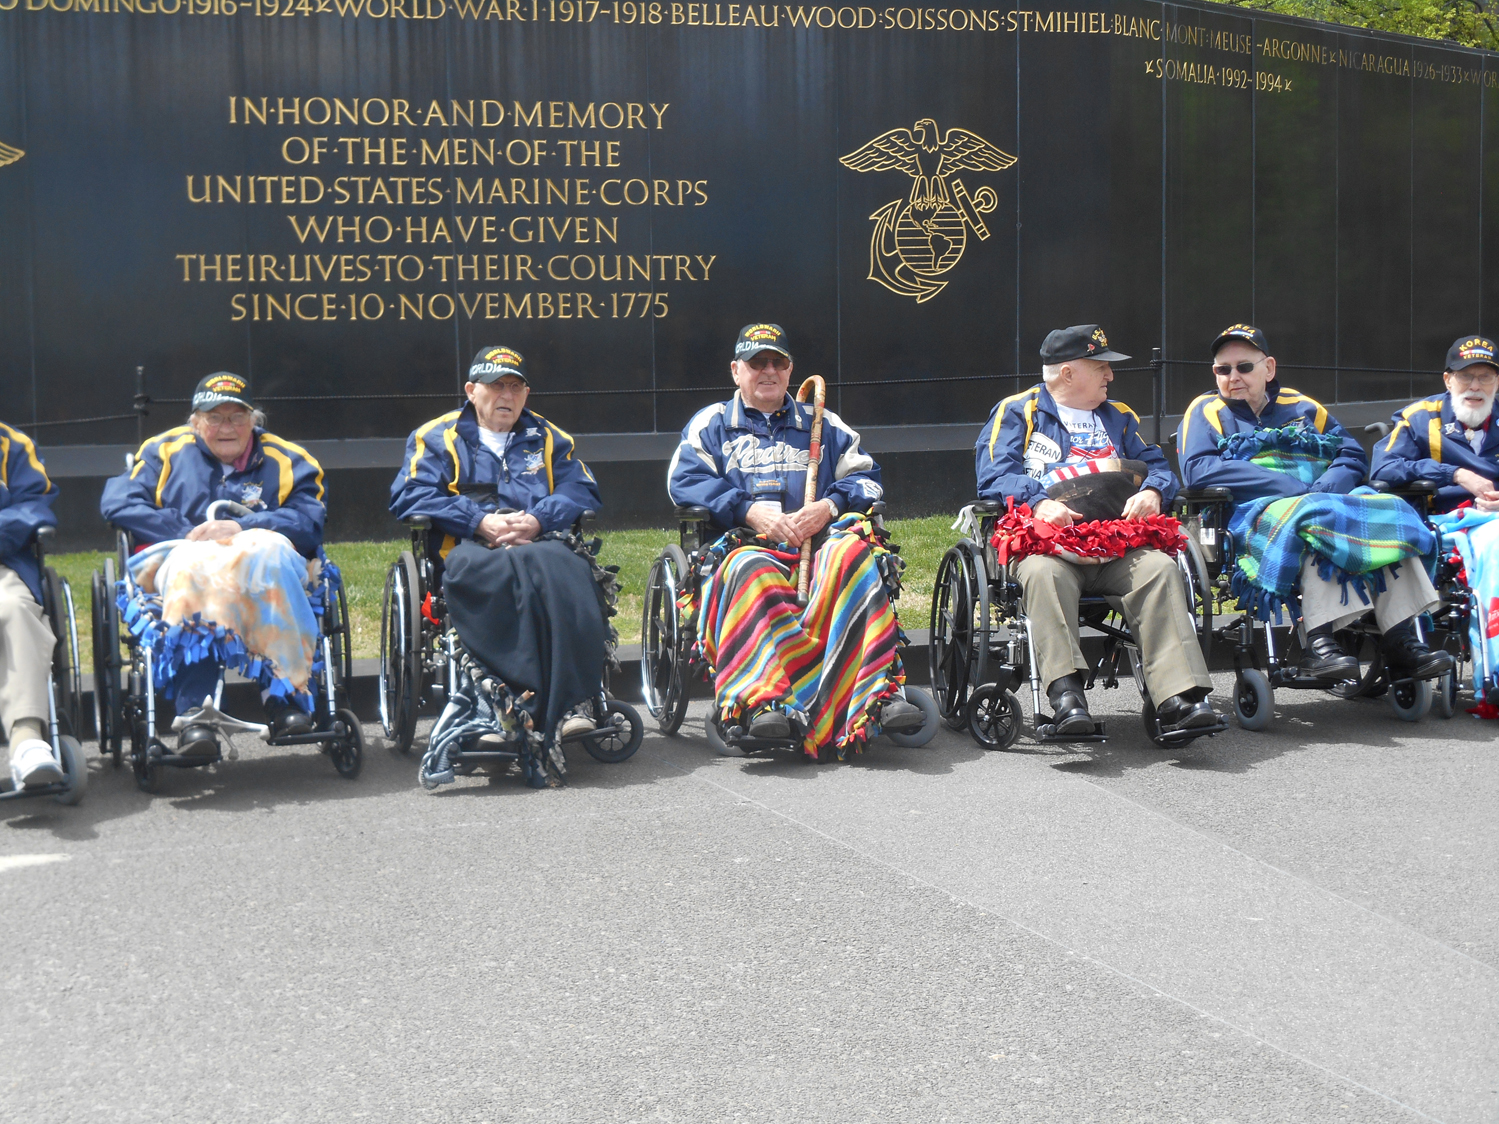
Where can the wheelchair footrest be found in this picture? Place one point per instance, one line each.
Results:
(755, 745)
(53, 789)
(312, 737)
(186, 761)
(1046, 733)
(1293, 680)
(482, 755)
(1171, 738)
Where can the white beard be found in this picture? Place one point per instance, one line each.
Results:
(1473, 416)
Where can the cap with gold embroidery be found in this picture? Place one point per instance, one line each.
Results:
(755, 338)
(1469, 350)
(220, 387)
(1245, 332)
(492, 363)
(1081, 341)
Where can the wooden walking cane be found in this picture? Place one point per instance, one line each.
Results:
(814, 458)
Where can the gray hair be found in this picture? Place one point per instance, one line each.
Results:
(1051, 372)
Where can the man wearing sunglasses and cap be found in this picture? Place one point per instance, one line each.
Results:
(1450, 440)
(1064, 429)
(1267, 442)
(745, 460)
(497, 475)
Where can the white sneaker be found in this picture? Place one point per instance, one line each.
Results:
(573, 725)
(32, 765)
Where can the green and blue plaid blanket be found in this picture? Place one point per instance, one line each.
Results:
(1296, 450)
(1354, 536)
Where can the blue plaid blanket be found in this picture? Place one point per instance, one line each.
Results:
(1296, 450)
(1354, 537)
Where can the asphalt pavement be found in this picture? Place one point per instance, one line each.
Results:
(1294, 925)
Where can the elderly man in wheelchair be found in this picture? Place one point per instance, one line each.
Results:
(1051, 448)
(38, 636)
(1448, 446)
(1274, 469)
(500, 596)
(221, 566)
(789, 609)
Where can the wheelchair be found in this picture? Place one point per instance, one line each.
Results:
(125, 692)
(1266, 656)
(981, 648)
(422, 660)
(671, 658)
(64, 684)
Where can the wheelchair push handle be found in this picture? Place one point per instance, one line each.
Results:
(227, 509)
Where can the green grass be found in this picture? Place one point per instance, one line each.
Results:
(922, 542)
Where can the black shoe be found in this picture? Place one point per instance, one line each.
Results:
(900, 717)
(1403, 653)
(286, 717)
(1182, 713)
(198, 740)
(1324, 659)
(770, 724)
(1069, 707)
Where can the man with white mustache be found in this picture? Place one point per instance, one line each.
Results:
(1450, 440)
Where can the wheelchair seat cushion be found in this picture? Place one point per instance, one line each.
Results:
(533, 615)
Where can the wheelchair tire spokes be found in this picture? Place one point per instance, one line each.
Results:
(958, 643)
(347, 750)
(618, 735)
(995, 717)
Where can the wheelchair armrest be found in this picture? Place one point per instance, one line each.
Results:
(418, 522)
(987, 507)
(1206, 495)
(585, 518)
(1422, 488)
(693, 514)
(45, 537)
(877, 508)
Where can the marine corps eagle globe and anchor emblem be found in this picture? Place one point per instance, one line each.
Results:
(916, 241)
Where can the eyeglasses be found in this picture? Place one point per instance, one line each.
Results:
(1243, 366)
(760, 362)
(237, 420)
(511, 388)
(1483, 379)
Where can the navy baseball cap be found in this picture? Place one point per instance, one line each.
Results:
(1250, 335)
(755, 338)
(492, 363)
(1469, 350)
(1081, 341)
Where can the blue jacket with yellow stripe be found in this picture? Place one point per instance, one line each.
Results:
(26, 499)
(1024, 439)
(176, 476)
(1429, 443)
(453, 479)
(1211, 417)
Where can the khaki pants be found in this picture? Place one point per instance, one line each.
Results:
(1403, 597)
(1149, 585)
(26, 644)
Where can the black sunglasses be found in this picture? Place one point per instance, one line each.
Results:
(1243, 366)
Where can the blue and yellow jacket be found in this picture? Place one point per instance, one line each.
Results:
(1211, 417)
(732, 455)
(453, 479)
(26, 499)
(1429, 443)
(1024, 439)
(176, 476)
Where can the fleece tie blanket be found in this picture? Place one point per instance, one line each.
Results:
(250, 603)
(1019, 534)
(1475, 536)
(830, 664)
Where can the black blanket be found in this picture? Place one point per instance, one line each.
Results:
(531, 614)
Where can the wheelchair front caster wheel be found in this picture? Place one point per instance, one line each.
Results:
(1444, 695)
(1410, 700)
(716, 738)
(930, 717)
(994, 717)
(618, 736)
(75, 765)
(1254, 701)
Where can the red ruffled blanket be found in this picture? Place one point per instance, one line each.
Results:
(1019, 534)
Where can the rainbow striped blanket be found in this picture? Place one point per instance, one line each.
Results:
(828, 665)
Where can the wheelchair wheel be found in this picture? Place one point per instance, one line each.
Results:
(960, 607)
(347, 752)
(716, 739)
(994, 717)
(109, 719)
(342, 640)
(1444, 695)
(1410, 700)
(67, 679)
(1199, 590)
(400, 652)
(75, 765)
(618, 736)
(931, 717)
(1254, 701)
(663, 645)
